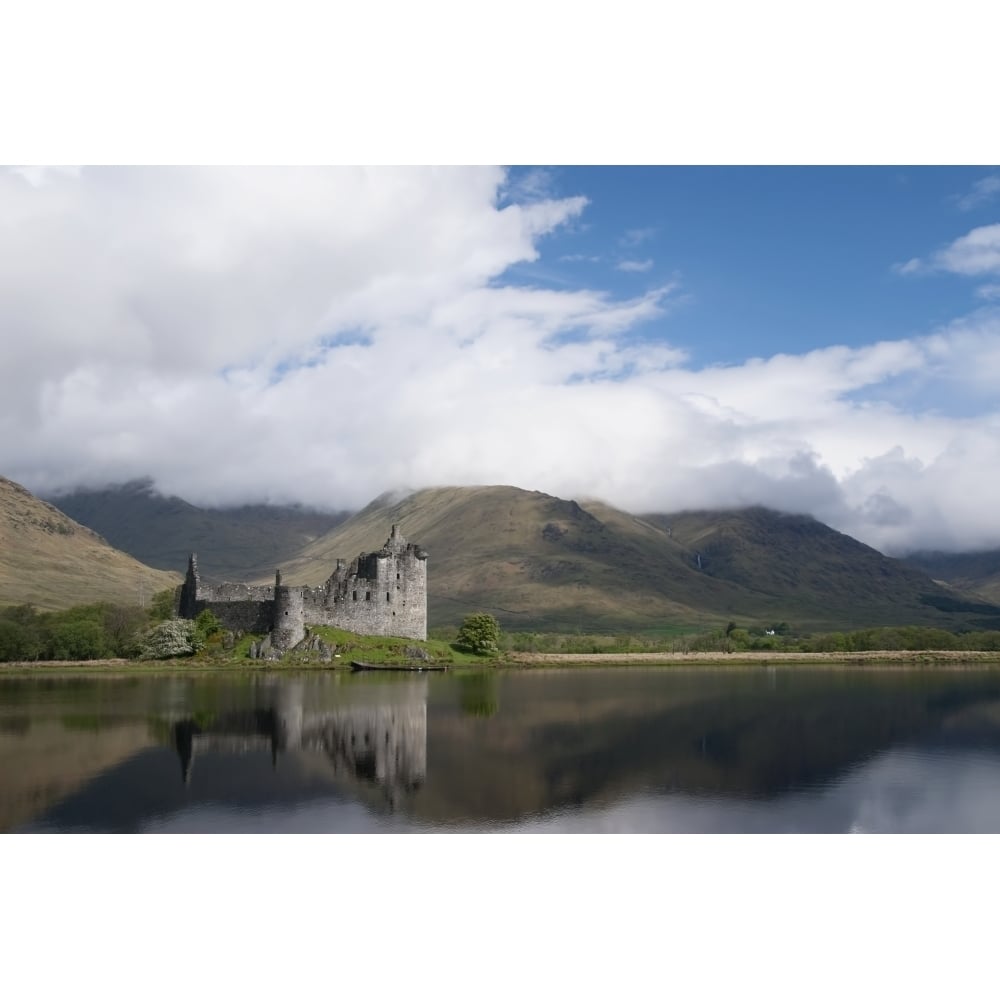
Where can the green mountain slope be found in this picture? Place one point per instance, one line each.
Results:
(163, 531)
(533, 560)
(975, 572)
(821, 575)
(50, 561)
(540, 562)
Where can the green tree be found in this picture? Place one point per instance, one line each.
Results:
(207, 624)
(739, 637)
(162, 606)
(78, 640)
(13, 640)
(123, 625)
(480, 634)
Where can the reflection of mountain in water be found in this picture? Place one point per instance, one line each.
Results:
(595, 737)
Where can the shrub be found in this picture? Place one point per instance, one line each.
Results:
(207, 624)
(177, 637)
(162, 606)
(479, 634)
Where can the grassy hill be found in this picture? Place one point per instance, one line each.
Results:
(50, 561)
(820, 574)
(162, 531)
(542, 563)
(533, 560)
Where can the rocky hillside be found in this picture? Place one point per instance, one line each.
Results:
(50, 561)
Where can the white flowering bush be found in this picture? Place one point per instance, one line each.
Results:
(176, 637)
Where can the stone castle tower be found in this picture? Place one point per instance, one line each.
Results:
(289, 615)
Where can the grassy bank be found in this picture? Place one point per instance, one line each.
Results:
(872, 659)
(338, 648)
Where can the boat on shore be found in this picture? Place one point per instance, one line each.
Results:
(357, 665)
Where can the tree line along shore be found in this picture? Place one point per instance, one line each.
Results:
(120, 635)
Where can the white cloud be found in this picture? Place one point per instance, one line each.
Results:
(982, 191)
(325, 335)
(573, 258)
(634, 265)
(37, 176)
(976, 253)
(534, 184)
(633, 237)
(912, 266)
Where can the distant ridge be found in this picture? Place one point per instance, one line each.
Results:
(162, 531)
(977, 572)
(52, 562)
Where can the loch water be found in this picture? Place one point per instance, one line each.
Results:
(652, 750)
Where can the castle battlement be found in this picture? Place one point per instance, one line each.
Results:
(378, 593)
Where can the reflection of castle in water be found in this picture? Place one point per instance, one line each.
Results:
(381, 742)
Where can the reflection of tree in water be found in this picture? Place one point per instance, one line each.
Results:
(16, 725)
(479, 695)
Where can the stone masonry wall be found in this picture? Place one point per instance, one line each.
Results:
(241, 616)
(380, 593)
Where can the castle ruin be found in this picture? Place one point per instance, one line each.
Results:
(379, 593)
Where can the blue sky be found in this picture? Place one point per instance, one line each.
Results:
(817, 340)
(767, 259)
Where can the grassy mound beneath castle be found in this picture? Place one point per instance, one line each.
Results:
(347, 646)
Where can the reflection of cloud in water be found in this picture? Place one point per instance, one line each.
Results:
(319, 817)
(897, 792)
(928, 793)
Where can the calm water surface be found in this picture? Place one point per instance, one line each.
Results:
(757, 750)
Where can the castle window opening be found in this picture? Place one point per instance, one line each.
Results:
(387, 597)
(355, 595)
(368, 595)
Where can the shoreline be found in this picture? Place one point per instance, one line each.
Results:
(881, 659)
(764, 658)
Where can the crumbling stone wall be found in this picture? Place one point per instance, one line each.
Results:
(240, 607)
(379, 593)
